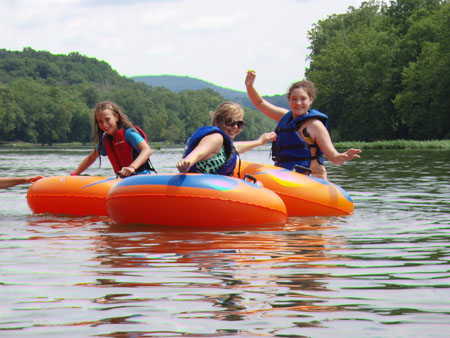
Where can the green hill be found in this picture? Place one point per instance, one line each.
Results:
(180, 83)
(48, 98)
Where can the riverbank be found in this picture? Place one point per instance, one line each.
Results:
(393, 144)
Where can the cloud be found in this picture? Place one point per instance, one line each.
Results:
(213, 40)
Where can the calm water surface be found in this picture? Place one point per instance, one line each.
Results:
(382, 272)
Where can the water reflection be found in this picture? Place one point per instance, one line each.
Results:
(382, 271)
(135, 274)
(255, 271)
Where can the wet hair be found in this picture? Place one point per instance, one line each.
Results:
(123, 123)
(223, 111)
(308, 86)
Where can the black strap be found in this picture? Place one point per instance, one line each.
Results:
(114, 152)
(239, 166)
(279, 159)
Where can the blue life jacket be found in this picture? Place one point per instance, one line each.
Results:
(290, 149)
(230, 151)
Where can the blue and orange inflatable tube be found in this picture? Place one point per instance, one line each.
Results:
(70, 195)
(302, 194)
(193, 200)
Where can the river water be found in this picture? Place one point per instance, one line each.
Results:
(382, 272)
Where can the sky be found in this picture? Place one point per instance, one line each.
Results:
(213, 40)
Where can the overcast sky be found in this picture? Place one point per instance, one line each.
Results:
(213, 40)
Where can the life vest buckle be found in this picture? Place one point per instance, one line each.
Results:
(301, 169)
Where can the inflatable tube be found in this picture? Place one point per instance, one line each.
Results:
(193, 200)
(303, 195)
(70, 195)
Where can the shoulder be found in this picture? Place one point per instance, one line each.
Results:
(212, 142)
(315, 127)
(313, 121)
(133, 137)
(214, 137)
(132, 134)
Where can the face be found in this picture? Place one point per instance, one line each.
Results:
(300, 102)
(107, 121)
(230, 127)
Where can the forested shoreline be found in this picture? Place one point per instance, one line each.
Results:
(47, 99)
(382, 74)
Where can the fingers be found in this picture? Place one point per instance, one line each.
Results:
(271, 136)
(183, 166)
(35, 178)
(126, 171)
(250, 78)
(353, 153)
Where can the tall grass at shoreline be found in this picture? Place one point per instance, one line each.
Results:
(395, 144)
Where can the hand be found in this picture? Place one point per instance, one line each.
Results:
(350, 155)
(127, 171)
(268, 137)
(250, 78)
(35, 178)
(183, 165)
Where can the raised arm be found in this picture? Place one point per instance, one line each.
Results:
(270, 110)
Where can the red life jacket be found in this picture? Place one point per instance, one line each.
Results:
(121, 153)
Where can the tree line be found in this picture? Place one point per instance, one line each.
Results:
(47, 99)
(383, 71)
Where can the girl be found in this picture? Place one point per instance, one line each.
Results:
(211, 149)
(117, 137)
(302, 135)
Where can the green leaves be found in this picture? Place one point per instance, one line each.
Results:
(48, 98)
(383, 72)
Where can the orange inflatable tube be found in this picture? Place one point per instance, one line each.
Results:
(70, 195)
(193, 200)
(302, 194)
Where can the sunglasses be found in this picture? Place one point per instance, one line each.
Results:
(231, 123)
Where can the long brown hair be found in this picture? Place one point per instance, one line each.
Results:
(308, 86)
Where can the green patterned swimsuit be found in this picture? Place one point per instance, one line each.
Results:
(213, 164)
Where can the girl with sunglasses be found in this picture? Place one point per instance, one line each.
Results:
(211, 150)
(302, 135)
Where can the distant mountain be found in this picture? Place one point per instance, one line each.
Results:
(179, 83)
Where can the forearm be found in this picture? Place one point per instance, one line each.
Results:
(86, 163)
(243, 146)
(143, 156)
(6, 182)
(254, 96)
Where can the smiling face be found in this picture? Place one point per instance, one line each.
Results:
(231, 124)
(229, 117)
(107, 121)
(299, 101)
